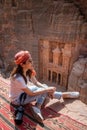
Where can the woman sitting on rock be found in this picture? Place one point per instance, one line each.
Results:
(23, 81)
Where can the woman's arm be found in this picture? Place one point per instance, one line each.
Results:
(23, 86)
(35, 93)
(36, 82)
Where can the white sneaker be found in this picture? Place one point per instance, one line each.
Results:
(73, 94)
(37, 114)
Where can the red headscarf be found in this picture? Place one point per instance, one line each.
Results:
(22, 56)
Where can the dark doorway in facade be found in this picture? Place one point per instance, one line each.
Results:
(54, 77)
(49, 75)
(59, 78)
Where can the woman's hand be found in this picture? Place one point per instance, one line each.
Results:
(51, 92)
(51, 89)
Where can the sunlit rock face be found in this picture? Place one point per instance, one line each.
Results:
(78, 78)
(54, 31)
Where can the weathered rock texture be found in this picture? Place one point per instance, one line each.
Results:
(78, 78)
(54, 31)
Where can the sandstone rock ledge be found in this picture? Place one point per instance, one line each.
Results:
(73, 108)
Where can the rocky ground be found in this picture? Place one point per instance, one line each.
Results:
(73, 108)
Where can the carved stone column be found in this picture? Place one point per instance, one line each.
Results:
(66, 62)
(56, 56)
(44, 59)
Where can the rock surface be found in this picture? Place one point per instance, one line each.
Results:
(78, 78)
(24, 23)
(73, 108)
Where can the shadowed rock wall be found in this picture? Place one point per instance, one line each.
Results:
(23, 24)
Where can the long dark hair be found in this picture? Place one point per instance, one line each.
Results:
(18, 70)
(29, 73)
